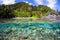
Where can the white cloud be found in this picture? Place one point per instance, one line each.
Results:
(39, 2)
(50, 3)
(28, 2)
(7, 2)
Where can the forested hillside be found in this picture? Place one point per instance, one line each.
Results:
(23, 9)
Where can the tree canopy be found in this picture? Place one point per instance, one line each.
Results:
(23, 9)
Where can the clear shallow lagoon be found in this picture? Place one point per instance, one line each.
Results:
(29, 29)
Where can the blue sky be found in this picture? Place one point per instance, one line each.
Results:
(54, 4)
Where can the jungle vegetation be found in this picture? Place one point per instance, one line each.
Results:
(23, 9)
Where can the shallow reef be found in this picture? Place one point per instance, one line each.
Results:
(29, 31)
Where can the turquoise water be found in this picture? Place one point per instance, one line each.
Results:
(29, 24)
(30, 28)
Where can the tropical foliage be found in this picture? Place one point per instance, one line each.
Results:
(23, 9)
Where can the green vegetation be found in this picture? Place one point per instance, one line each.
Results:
(23, 9)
